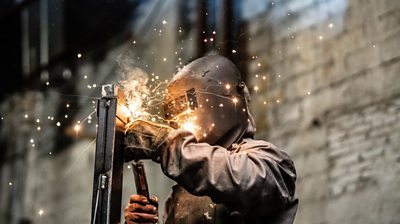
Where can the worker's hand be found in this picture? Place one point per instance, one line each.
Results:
(140, 210)
(144, 140)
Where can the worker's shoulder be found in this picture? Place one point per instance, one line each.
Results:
(262, 147)
(249, 143)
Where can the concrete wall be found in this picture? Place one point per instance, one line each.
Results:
(326, 87)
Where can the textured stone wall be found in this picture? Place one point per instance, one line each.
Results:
(325, 77)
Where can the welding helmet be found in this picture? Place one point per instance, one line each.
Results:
(209, 98)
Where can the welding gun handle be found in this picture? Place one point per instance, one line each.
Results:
(140, 179)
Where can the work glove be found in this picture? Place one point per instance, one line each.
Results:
(144, 140)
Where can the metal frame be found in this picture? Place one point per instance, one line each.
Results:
(108, 167)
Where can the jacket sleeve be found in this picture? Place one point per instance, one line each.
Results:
(256, 179)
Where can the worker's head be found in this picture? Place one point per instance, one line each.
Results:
(209, 98)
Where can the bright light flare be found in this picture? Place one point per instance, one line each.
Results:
(123, 111)
(77, 127)
(189, 126)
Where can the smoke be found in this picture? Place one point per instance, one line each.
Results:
(133, 83)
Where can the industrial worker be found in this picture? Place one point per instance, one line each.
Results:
(223, 174)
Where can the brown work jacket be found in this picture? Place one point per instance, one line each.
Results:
(249, 182)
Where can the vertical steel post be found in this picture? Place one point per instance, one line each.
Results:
(201, 26)
(108, 167)
(226, 26)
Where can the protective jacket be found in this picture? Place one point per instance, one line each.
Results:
(251, 181)
(223, 174)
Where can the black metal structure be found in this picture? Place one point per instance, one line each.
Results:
(108, 168)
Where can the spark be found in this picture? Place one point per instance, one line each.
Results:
(67, 105)
(38, 128)
(58, 124)
(320, 37)
(10, 183)
(38, 120)
(235, 100)
(227, 86)
(26, 116)
(233, 51)
(164, 22)
(79, 55)
(256, 88)
(32, 141)
(77, 127)
(308, 93)
(189, 126)
(330, 25)
(47, 83)
(40, 212)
